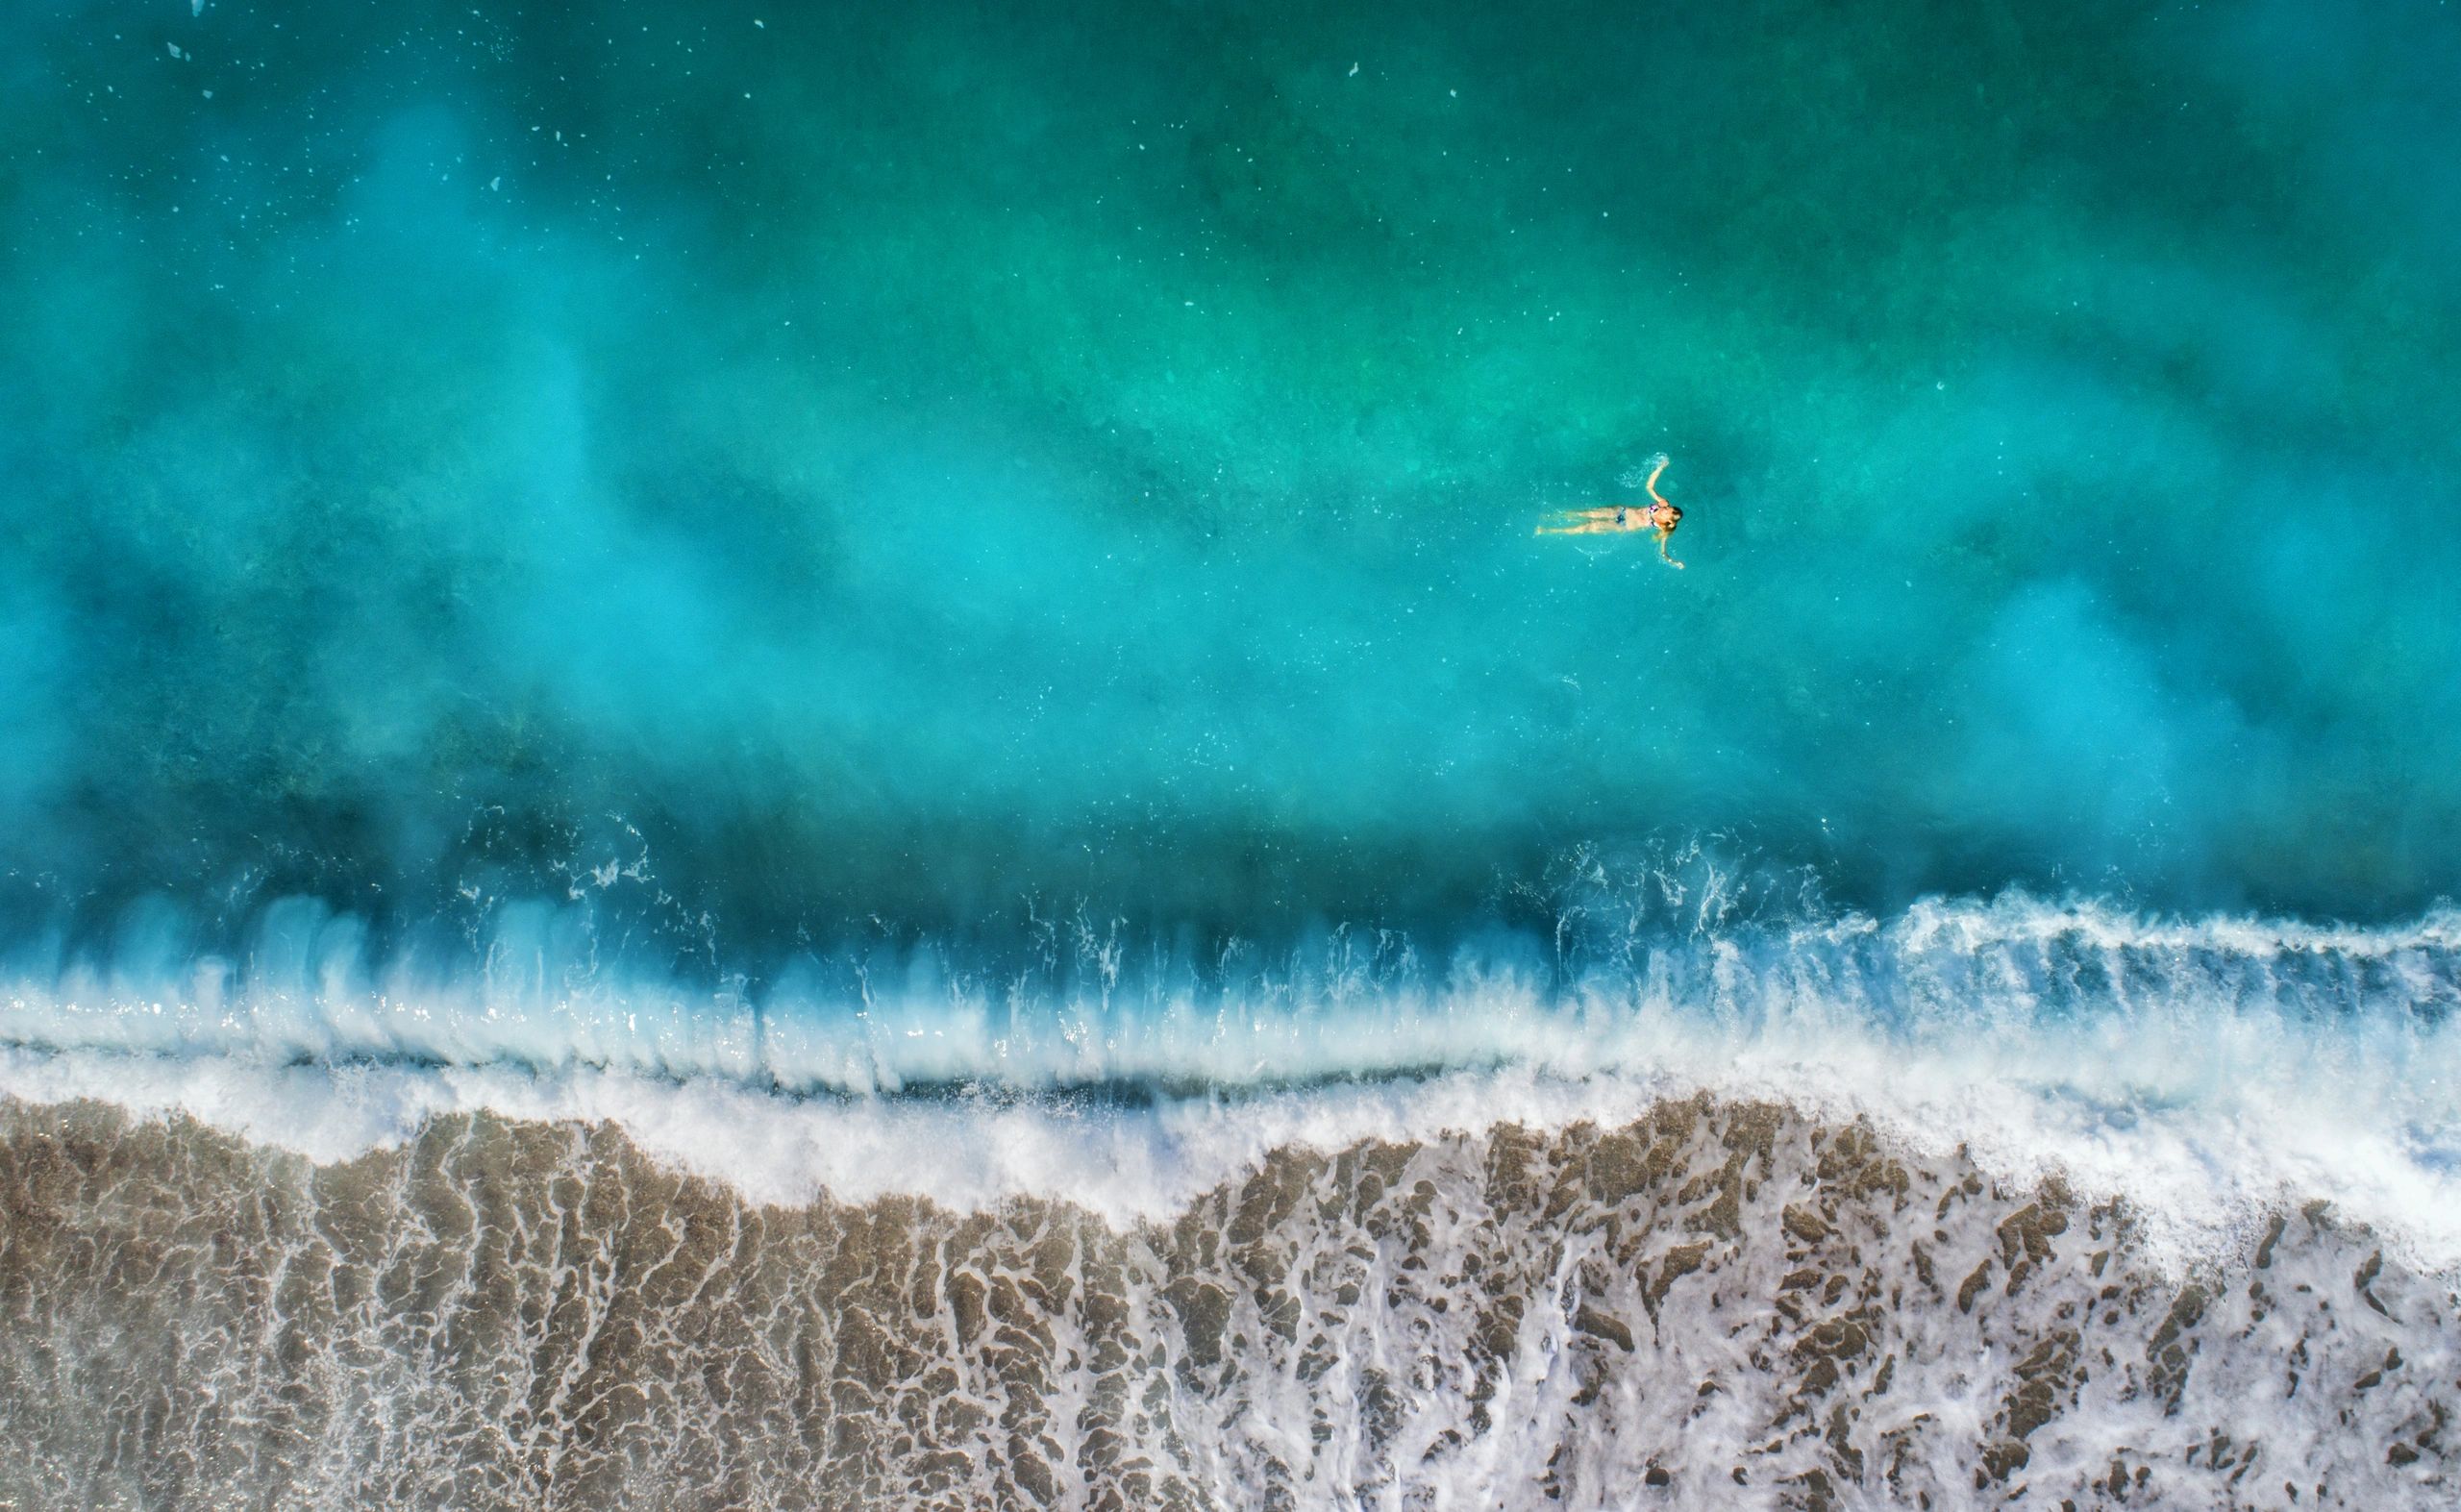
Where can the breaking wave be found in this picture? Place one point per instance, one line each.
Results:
(2202, 1068)
(2044, 1197)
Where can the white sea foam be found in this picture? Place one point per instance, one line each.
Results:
(2205, 1070)
(1429, 1320)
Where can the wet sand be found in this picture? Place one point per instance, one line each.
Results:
(1717, 1305)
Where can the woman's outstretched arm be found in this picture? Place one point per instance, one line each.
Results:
(1652, 485)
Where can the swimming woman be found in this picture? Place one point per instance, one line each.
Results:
(1656, 516)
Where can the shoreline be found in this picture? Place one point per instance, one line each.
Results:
(1709, 1291)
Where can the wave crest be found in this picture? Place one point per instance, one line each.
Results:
(2205, 1068)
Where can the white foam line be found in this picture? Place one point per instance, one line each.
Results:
(2197, 1172)
(2202, 1069)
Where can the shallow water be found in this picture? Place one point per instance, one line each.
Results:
(931, 619)
(1711, 1305)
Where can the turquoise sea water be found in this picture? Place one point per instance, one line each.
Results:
(853, 464)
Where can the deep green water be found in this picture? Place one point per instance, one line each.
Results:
(858, 460)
